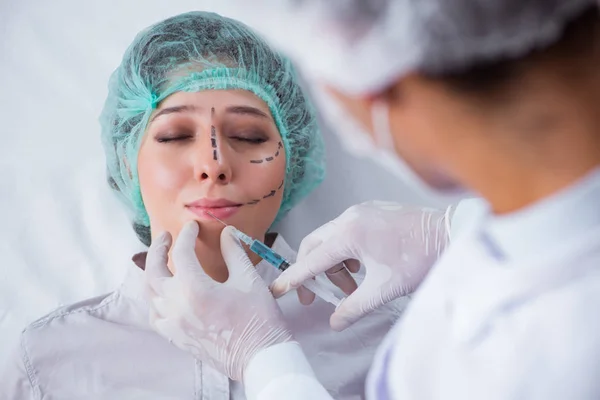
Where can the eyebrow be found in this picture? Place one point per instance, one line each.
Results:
(175, 109)
(247, 110)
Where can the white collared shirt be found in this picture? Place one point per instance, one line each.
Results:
(104, 348)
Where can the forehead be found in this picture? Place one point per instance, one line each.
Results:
(215, 98)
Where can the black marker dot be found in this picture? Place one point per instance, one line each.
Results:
(269, 159)
(256, 161)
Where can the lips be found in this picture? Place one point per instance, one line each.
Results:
(213, 203)
(220, 208)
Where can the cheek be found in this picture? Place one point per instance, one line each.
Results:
(161, 180)
(262, 173)
(262, 180)
(264, 183)
(420, 140)
(412, 134)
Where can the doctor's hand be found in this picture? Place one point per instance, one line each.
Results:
(396, 244)
(221, 324)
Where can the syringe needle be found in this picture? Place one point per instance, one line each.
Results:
(213, 215)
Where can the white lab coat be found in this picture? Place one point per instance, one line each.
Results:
(511, 311)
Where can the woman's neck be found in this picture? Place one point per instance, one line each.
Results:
(542, 141)
(512, 174)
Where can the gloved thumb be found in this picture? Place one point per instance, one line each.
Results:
(157, 257)
(184, 254)
(355, 306)
(234, 254)
(156, 270)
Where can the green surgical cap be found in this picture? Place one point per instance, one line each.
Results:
(204, 51)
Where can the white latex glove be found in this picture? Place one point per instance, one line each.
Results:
(396, 244)
(221, 324)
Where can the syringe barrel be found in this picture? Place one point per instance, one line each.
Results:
(268, 255)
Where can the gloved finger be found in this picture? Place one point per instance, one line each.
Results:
(155, 288)
(157, 270)
(338, 274)
(234, 254)
(305, 296)
(158, 257)
(352, 265)
(364, 300)
(341, 278)
(184, 257)
(314, 240)
(165, 288)
(328, 254)
(310, 242)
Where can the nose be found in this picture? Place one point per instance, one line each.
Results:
(210, 164)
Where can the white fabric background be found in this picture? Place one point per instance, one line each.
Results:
(63, 236)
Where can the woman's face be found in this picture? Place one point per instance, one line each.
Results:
(215, 151)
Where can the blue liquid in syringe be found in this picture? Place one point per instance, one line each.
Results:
(257, 247)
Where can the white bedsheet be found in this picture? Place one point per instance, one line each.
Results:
(61, 230)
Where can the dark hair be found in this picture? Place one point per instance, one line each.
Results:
(578, 41)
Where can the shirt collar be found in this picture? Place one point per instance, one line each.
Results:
(557, 219)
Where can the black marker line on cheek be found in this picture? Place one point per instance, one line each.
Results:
(271, 158)
(271, 194)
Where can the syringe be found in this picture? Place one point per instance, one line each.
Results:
(267, 254)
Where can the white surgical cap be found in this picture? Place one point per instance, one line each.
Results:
(361, 46)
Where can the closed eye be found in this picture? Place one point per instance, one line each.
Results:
(168, 139)
(251, 140)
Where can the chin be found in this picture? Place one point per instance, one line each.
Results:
(440, 181)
